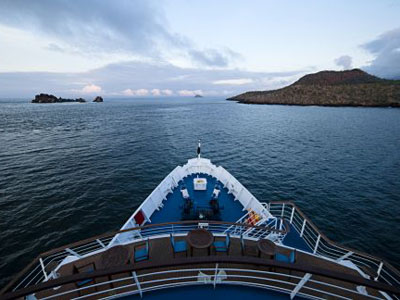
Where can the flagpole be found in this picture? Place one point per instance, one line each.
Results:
(198, 149)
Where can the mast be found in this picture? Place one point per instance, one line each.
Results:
(198, 149)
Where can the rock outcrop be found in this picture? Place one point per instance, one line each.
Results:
(46, 98)
(331, 88)
(98, 99)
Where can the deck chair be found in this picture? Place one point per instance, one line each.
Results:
(88, 268)
(178, 246)
(222, 246)
(141, 251)
(290, 259)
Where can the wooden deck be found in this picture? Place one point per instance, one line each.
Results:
(160, 252)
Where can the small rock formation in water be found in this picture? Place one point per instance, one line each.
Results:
(46, 98)
(198, 96)
(98, 99)
(331, 88)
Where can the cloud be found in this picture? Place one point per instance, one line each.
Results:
(385, 49)
(156, 92)
(139, 92)
(135, 28)
(91, 25)
(188, 93)
(91, 89)
(212, 57)
(344, 61)
(167, 92)
(239, 81)
(132, 78)
(54, 47)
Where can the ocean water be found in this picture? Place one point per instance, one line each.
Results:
(71, 171)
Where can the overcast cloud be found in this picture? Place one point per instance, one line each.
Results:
(386, 49)
(136, 27)
(152, 59)
(144, 79)
(344, 61)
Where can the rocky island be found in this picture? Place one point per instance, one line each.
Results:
(46, 98)
(98, 99)
(331, 88)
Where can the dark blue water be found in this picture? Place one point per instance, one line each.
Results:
(71, 171)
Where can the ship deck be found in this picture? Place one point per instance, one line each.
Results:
(172, 210)
(160, 251)
(231, 210)
(321, 268)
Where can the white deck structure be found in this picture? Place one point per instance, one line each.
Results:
(194, 166)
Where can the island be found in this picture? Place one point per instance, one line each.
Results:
(198, 96)
(331, 88)
(48, 98)
(98, 99)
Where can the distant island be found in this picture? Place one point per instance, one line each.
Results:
(46, 98)
(331, 88)
(198, 96)
(98, 99)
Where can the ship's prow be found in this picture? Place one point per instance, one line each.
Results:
(201, 227)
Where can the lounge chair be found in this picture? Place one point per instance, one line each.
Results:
(290, 258)
(178, 246)
(141, 251)
(223, 246)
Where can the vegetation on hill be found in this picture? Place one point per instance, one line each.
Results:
(331, 88)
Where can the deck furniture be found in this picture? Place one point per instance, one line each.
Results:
(199, 239)
(89, 268)
(187, 206)
(185, 193)
(223, 246)
(286, 258)
(267, 248)
(141, 251)
(115, 256)
(178, 246)
(245, 246)
(200, 184)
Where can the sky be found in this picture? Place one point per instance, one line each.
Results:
(164, 48)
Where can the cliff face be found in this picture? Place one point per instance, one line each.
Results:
(331, 88)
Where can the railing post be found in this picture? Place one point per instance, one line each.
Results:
(292, 215)
(101, 243)
(215, 275)
(73, 252)
(302, 228)
(317, 243)
(43, 269)
(283, 210)
(379, 271)
(137, 283)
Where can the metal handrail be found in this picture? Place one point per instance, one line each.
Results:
(34, 272)
(325, 247)
(220, 260)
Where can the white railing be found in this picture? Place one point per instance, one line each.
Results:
(48, 265)
(321, 245)
(196, 165)
(216, 276)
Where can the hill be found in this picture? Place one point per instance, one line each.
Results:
(331, 88)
